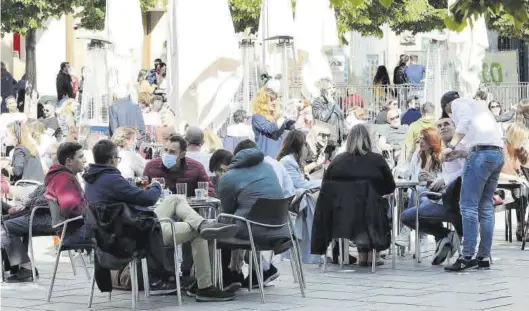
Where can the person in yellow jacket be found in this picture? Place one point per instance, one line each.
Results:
(426, 121)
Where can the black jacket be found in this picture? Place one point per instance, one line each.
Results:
(350, 204)
(121, 233)
(64, 85)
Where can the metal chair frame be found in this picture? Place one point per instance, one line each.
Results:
(254, 255)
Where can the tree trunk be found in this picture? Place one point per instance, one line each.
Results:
(31, 60)
(30, 106)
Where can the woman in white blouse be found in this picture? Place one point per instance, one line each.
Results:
(43, 140)
(132, 164)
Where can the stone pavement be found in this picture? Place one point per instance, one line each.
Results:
(409, 287)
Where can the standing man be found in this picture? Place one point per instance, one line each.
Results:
(414, 71)
(477, 125)
(64, 82)
(326, 110)
(126, 113)
(8, 86)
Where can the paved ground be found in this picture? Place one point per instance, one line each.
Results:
(409, 287)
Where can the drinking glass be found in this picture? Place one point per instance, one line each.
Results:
(203, 185)
(181, 189)
(160, 180)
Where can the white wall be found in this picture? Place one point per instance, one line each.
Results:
(51, 52)
(159, 32)
(7, 51)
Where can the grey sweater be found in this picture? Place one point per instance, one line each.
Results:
(26, 166)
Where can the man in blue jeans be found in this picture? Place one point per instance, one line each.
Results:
(483, 135)
(433, 212)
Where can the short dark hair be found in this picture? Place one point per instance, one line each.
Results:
(244, 144)
(481, 95)
(218, 158)
(67, 151)
(158, 60)
(175, 138)
(104, 151)
(64, 64)
(239, 116)
(414, 58)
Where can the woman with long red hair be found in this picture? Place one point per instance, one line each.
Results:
(425, 167)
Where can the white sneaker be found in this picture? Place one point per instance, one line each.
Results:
(403, 239)
(424, 245)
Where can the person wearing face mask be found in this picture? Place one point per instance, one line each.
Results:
(64, 82)
(132, 164)
(325, 109)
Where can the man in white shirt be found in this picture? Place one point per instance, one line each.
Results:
(476, 124)
(195, 140)
(432, 213)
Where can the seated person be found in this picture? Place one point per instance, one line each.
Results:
(195, 140)
(17, 230)
(175, 167)
(390, 137)
(427, 120)
(240, 126)
(64, 189)
(413, 113)
(425, 167)
(131, 164)
(357, 178)
(104, 184)
(516, 136)
(218, 165)
(318, 150)
(248, 178)
(433, 213)
(290, 157)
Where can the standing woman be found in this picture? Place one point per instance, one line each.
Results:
(267, 124)
(25, 162)
(66, 119)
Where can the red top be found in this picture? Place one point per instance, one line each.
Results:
(192, 173)
(63, 188)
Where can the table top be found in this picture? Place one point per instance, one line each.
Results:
(509, 184)
(405, 183)
(207, 202)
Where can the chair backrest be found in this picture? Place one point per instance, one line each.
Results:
(270, 212)
(229, 142)
(296, 201)
(24, 188)
(55, 212)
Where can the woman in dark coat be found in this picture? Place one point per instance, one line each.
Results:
(351, 203)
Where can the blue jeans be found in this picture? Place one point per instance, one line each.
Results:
(480, 179)
(431, 218)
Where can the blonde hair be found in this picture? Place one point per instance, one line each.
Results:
(516, 135)
(36, 129)
(522, 111)
(23, 138)
(144, 98)
(211, 142)
(68, 107)
(260, 104)
(122, 135)
(357, 112)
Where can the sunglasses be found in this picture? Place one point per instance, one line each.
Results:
(324, 135)
(494, 106)
(394, 118)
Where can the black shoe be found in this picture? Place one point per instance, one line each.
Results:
(483, 263)
(213, 294)
(441, 251)
(268, 276)
(214, 230)
(232, 281)
(191, 291)
(160, 287)
(23, 275)
(187, 281)
(462, 263)
(334, 260)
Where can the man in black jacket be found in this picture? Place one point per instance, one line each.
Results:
(64, 82)
(8, 86)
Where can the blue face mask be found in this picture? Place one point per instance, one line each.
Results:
(169, 160)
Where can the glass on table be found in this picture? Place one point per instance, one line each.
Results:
(181, 189)
(160, 180)
(204, 185)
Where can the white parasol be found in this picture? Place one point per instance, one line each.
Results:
(467, 49)
(204, 61)
(124, 28)
(315, 32)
